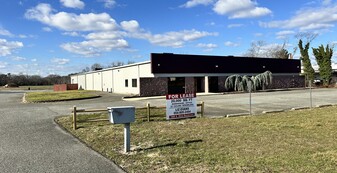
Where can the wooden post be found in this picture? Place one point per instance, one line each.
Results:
(202, 108)
(148, 111)
(74, 118)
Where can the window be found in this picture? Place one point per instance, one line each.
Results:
(134, 82)
(126, 83)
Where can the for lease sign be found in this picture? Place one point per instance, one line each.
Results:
(179, 106)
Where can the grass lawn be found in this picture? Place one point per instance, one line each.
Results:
(295, 141)
(59, 96)
(40, 87)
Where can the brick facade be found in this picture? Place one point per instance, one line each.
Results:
(65, 87)
(159, 85)
(153, 86)
(279, 82)
(190, 85)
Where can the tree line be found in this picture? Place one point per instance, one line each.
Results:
(97, 66)
(13, 80)
(323, 55)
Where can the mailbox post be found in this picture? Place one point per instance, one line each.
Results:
(127, 142)
(123, 115)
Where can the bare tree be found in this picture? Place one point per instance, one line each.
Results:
(86, 69)
(307, 37)
(255, 49)
(131, 62)
(262, 49)
(96, 66)
(116, 64)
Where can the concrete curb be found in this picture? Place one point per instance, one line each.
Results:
(325, 105)
(24, 98)
(142, 98)
(272, 111)
(300, 108)
(216, 117)
(116, 166)
(237, 115)
(62, 100)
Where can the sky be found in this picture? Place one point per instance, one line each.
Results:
(43, 37)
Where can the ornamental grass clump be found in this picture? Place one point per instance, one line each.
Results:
(241, 83)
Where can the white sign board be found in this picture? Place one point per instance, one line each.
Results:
(179, 106)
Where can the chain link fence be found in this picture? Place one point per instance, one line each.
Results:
(253, 103)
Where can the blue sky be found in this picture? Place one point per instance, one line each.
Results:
(64, 36)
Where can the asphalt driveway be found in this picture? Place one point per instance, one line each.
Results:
(30, 141)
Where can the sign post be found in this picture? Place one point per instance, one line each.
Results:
(250, 96)
(180, 106)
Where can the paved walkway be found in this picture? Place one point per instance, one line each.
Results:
(30, 141)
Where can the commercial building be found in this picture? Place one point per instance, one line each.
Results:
(168, 73)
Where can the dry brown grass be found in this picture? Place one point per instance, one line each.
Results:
(297, 141)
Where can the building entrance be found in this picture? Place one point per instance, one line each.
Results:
(213, 84)
(199, 84)
(176, 85)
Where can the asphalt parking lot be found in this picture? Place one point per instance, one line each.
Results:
(223, 104)
(218, 104)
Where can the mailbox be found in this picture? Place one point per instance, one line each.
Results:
(122, 114)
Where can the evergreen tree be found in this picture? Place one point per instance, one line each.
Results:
(307, 68)
(282, 54)
(323, 58)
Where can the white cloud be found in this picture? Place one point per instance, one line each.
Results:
(193, 3)
(22, 36)
(73, 3)
(60, 61)
(18, 58)
(47, 29)
(256, 12)
(240, 9)
(94, 47)
(3, 64)
(70, 21)
(110, 35)
(105, 34)
(258, 34)
(314, 26)
(207, 47)
(211, 24)
(231, 44)
(131, 26)
(7, 47)
(287, 32)
(177, 39)
(308, 19)
(235, 25)
(34, 60)
(326, 2)
(5, 32)
(284, 34)
(109, 3)
(73, 34)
